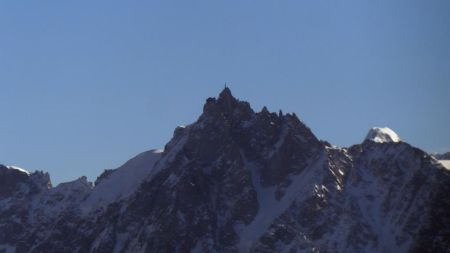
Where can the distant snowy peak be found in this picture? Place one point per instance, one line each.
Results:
(444, 156)
(382, 135)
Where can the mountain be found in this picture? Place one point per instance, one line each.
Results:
(382, 134)
(237, 180)
(444, 156)
(444, 159)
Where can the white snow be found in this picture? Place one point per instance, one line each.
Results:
(446, 163)
(158, 151)
(76, 189)
(281, 140)
(123, 181)
(19, 169)
(382, 135)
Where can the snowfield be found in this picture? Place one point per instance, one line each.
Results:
(446, 163)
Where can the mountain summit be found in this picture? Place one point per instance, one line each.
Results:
(382, 134)
(237, 180)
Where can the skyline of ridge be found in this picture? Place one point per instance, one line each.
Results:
(225, 94)
(86, 85)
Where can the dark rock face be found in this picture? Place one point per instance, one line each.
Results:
(16, 183)
(239, 181)
(10, 180)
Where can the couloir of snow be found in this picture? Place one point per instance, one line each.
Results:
(382, 135)
(269, 207)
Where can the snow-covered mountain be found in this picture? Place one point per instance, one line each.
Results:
(382, 134)
(239, 181)
(444, 159)
(445, 156)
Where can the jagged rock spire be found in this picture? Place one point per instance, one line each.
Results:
(226, 99)
(226, 92)
(225, 103)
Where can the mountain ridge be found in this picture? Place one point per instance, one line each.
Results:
(237, 180)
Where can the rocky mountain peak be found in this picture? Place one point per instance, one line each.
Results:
(10, 179)
(226, 106)
(14, 180)
(226, 96)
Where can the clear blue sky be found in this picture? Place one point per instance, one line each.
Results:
(86, 85)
